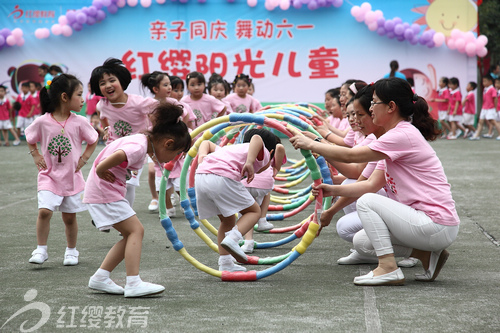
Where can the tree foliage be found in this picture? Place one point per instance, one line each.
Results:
(489, 16)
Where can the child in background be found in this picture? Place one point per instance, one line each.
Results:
(60, 180)
(251, 89)
(489, 108)
(91, 101)
(24, 118)
(44, 72)
(443, 101)
(204, 106)
(240, 100)
(332, 106)
(469, 104)
(121, 114)
(261, 186)
(5, 118)
(219, 88)
(177, 87)
(105, 195)
(96, 124)
(35, 99)
(455, 115)
(219, 191)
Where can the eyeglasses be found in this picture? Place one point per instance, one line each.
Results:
(372, 103)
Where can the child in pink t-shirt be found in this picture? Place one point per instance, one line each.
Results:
(469, 104)
(219, 88)
(105, 195)
(91, 101)
(121, 114)
(332, 106)
(455, 116)
(219, 190)
(34, 100)
(489, 108)
(443, 105)
(5, 116)
(60, 181)
(240, 100)
(204, 106)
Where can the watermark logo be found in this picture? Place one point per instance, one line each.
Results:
(31, 15)
(89, 316)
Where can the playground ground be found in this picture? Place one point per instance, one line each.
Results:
(313, 294)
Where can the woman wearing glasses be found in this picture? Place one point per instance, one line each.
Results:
(418, 218)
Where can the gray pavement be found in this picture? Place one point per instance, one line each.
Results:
(313, 294)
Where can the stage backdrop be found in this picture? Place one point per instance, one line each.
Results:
(294, 55)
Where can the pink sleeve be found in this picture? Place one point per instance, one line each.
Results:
(33, 132)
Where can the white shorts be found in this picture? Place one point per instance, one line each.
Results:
(443, 115)
(150, 160)
(53, 202)
(488, 114)
(469, 119)
(5, 124)
(107, 214)
(457, 118)
(158, 182)
(216, 195)
(258, 193)
(23, 122)
(134, 180)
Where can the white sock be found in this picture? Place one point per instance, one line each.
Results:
(133, 280)
(249, 241)
(71, 250)
(101, 275)
(262, 220)
(42, 247)
(235, 234)
(225, 259)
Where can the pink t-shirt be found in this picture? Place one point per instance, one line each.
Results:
(470, 103)
(498, 102)
(456, 96)
(265, 179)
(26, 102)
(243, 105)
(98, 190)
(4, 109)
(187, 110)
(344, 124)
(443, 93)
(91, 100)
(354, 138)
(334, 121)
(229, 108)
(228, 161)
(129, 119)
(414, 173)
(61, 152)
(205, 109)
(489, 95)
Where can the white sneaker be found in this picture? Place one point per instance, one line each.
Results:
(474, 138)
(458, 133)
(248, 246)
(153, 206)
(231, 267)
(452, 137)
(16, 142)
(356, 259)
(38, 257)
(488, 136)
(143, 289)
(174, 198)
(71, 258)
(171, 212)
(264, 226)
(108, 286)
(408, 262)
(234, 249)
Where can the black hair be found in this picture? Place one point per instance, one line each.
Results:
(44, 67)
(394, 65)
(175, 81)
(445, 80)
(411, 106)
(25, 84)
(151, 80)
(111, 66)
(359, 84)
(17, 106)
(410, 81)
(269, 138)
(167, 123)
(242, 77)
(488, 77)
(3, 87)
(38, 85)
(195, 75)
(50, 98)
(55, 68)
(333, 92)
(95, 114)
(473, 85)
(216, 79)
(455, 81)
(364, 97)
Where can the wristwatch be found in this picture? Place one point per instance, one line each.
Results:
(317, 139)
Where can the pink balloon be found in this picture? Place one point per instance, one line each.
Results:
(451, 44)
(366, 7)
(268, 5)
(372, 26)
(378, 14)
(284, 4)
(482, 52)
(370, 17)
(145, 3)
(360, 17)
(274, 3)
(469, 36)
(355, 11)
(460, 44)
(11, 40)
(66, 30)
(470, 49)
(455, 34)
(132, 3)
(56, 29)
(160, 2)
(42, 33)
(252, 3)
(438, 39)
(17, 33)
(20, 42)
(482, 40)
(62, 20)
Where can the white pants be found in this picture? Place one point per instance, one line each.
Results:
(390, 227)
